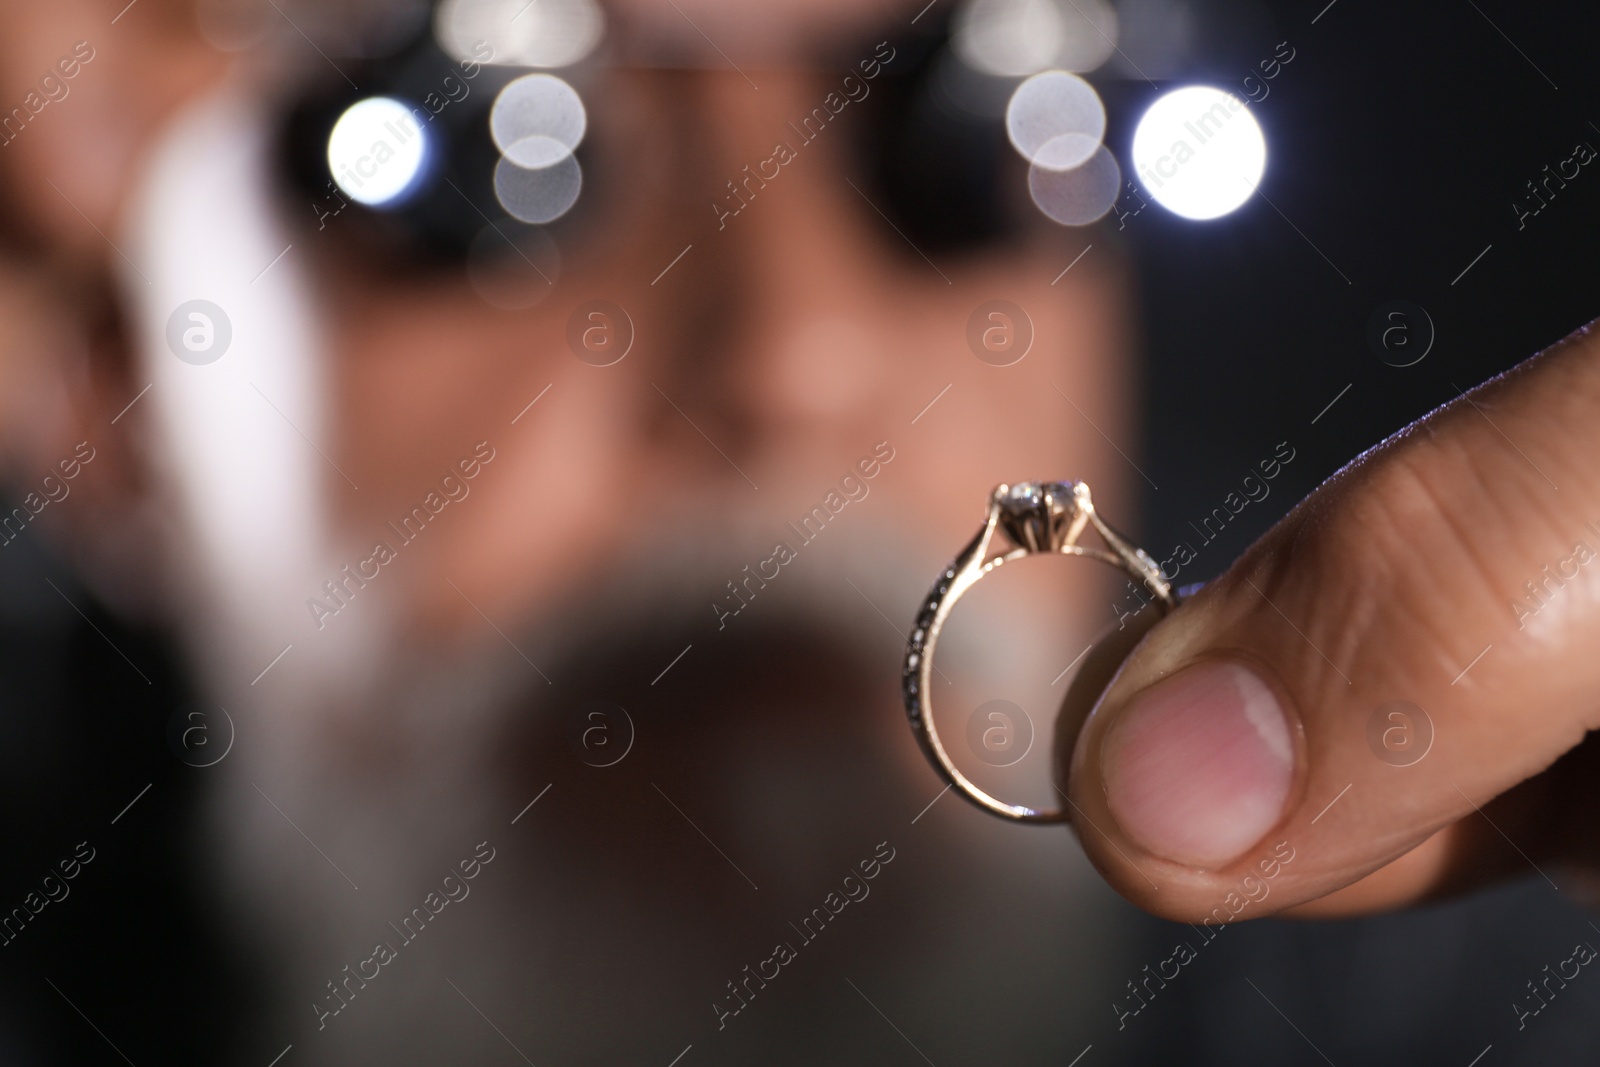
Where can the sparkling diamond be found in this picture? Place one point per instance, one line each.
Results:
(1034, 514)
(1022, 498)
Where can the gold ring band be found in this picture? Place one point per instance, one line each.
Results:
(1035, 518)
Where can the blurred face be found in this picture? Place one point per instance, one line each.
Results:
(483, 546)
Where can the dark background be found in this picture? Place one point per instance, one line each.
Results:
(1398, 139)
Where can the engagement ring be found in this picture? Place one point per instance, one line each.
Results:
(1035, 518)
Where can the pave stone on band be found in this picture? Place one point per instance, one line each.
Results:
(1035, 518)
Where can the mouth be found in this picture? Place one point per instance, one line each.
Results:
(691, 635)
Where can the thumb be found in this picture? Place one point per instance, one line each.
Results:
(1414, 639)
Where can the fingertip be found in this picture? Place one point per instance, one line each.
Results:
(1198, 767)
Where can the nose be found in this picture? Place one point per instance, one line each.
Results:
(804, 322)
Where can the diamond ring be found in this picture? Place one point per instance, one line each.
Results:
(1034, 518)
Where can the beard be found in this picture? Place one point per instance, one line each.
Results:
(672, 809)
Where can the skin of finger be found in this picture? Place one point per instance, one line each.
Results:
(1385, 584)
(1512, 836)
(1100, 666)
(1542, 828)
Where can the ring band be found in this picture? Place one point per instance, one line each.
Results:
(1036, 518)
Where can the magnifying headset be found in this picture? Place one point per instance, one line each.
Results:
(465, 138)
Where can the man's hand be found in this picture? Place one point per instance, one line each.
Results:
(1445, 583)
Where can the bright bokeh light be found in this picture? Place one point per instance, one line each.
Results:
(1008, 38)
(1016, 38)
(376, 151)
(1199, 152)
(546, 33)
(538, 195)
(1078, 196)
(1056, 120)
(537, 121)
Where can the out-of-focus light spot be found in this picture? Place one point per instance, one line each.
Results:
(1015, 38)
(1008, 38)
(519, 33)
(1056, 120)
(1199, 152)
(1088, 35)
(538, 196)
(537, 121)
(376, 151)
(1078, 196)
